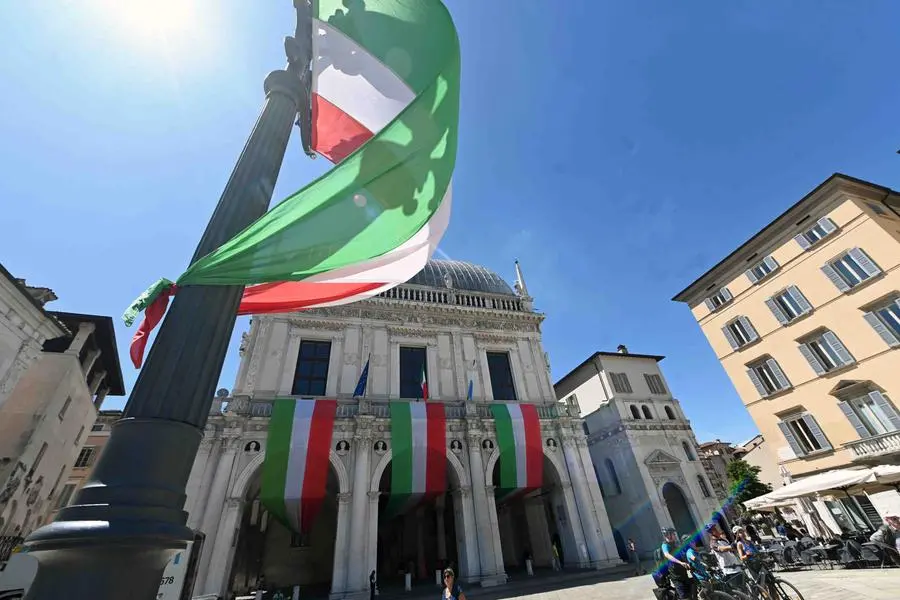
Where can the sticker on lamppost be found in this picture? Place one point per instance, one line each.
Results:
(173, 577)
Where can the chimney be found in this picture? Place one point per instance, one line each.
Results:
(622, 349)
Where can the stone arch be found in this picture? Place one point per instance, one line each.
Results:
(553, 457)
(461, 476)
(239, 488)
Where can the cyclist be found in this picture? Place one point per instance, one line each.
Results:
(676, 565)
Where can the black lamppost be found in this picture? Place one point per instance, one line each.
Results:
(127, 522)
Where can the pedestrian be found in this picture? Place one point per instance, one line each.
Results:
(556, 563)
(451, 590)
(676, 567)
(635, 557)
(372, 582)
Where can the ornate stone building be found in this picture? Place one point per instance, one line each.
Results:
(458, 322)
(643, 448)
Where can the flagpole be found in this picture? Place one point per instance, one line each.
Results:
(128, 521)
(366, 386)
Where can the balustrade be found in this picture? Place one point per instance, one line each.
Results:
(877, 446)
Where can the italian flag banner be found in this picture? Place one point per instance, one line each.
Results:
(385, 110)
(295, 469)
(419, 454)
(519, 442)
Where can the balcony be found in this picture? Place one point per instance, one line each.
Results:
(875, 449)
(349, 408)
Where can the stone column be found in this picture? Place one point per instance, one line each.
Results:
(604, 527)
(439, 504)
(223, 549)
(487, 563)
(198, 483)
(100, 397)
(496, 547)
(341, 554)
(215, 503)
(370, 541)
(585, 506)
(94, 385)
(575, 527)
(89, 360)
(420, 543)
(465, 518)
(358, 576)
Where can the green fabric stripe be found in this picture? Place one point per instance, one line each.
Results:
(412, 37)
(401, 445)
(369, 204)
(276, 460)
(506, 443)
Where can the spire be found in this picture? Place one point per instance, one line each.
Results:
(521, 288)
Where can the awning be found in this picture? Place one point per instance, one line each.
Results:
(837, 480)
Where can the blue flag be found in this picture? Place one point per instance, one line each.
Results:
(469, 393)
(363, 381)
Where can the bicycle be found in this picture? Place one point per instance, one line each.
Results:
(760, 583)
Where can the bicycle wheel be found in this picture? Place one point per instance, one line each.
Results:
(740, 594)
(717, 595)
(786, 590)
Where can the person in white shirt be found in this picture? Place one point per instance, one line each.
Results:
(724, 552)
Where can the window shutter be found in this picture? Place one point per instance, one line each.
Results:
(816, 431)
(730, 337)
(802, 241)
(726, 295)
(865, 262)
(799, 298)
(751, 373)
(886, 407)
(881, 329)
(854, 419)
(836, 279)
(791, 440)
(749, 327)
(776, 310)
(751, 275)
(710, 305)
(812, 359)
(771, 263)
(839, 348)
(779, 374)
(827, 225)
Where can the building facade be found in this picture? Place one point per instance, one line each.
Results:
(805, 319)
(464, 327)
(46, 418)
(644, 453)
(716, 456)
(756, 452)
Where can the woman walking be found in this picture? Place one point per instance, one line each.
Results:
(451, 590)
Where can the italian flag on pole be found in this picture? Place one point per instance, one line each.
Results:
(521, 453)
(295, 469)
(385, 110)
(419, 454)
(424, 384)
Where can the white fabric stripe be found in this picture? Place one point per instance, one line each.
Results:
(419, 445)
(296, 467)
(518, 427)
(345, 74)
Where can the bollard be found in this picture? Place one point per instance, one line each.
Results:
(528, 567)
(408, 582)
(296, 593)
(437, 577)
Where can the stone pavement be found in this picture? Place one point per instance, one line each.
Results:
(869, 584)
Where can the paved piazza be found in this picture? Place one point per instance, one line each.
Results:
(869, 584)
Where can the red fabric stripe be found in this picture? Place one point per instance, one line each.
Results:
(436, 459)
(317, 462)
(153, 314)
(534, 451)
(335, 134)
(286, 296)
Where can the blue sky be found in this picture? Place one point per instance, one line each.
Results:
(618, 149)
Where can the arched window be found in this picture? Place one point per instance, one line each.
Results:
(670, 413)
(635, 412)
(613, 476)
(585, 427)
(688, 452)
(646, 410)
(704, 489)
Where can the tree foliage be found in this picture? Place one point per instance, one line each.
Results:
(743, 479)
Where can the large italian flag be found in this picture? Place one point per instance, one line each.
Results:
(295, 470)
(385, 110)
(419, 454)
(519, 442)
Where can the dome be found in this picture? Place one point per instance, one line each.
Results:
(461, 275)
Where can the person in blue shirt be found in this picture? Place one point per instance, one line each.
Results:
(693, 558)
(676, 565)
(451, 590)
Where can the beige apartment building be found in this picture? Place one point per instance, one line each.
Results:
(805, 319)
